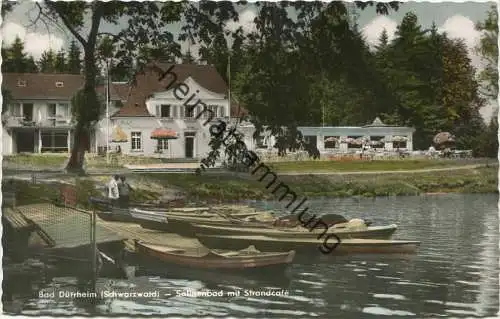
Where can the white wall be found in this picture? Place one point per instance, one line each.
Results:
(6, 142)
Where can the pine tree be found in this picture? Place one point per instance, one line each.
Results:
(74, 62)
(383, 41)
(60, 62)
(47, 62)
(15, 58)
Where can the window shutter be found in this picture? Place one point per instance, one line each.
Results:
(158, 110)
(181, 111)
(174, 111)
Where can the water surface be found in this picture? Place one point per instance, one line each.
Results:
(455, 273)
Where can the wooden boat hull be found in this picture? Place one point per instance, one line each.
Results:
(125, 215)
(373, 232)
(184, 225)
(304, 245)
(234, 260)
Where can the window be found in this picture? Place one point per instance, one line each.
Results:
(354, 142)
(259, 142)
(162, 145)
(28, 112)
(214, 112)
(51, 110)
(331, 141)
(189, 111)
(165, 111)
(54, 141)
(15, 110)
(399, 144)
(57, 110)
(221, 111)
(62, 110)
(136, 140)
(377, 141)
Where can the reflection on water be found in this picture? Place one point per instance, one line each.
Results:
(454, 274)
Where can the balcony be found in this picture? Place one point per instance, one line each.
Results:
(10, 121)
(17, 121)
(56, 121)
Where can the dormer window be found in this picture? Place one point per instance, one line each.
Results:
(21, 83)
(59, 84)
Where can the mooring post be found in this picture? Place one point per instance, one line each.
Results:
(93, 244)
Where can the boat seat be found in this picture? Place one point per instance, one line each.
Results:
(166, 249)
(226, 253)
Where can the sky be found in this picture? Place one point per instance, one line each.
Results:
(455, 18)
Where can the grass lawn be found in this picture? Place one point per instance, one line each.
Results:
(221, 188)
(58, 160)
(353, 166)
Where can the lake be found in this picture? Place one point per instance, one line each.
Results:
(455, 272)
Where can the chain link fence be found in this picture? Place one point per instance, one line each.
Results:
(41, 219)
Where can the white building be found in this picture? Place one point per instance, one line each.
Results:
(154, 106)
(38, 119)
(377, 135)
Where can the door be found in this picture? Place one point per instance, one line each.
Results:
(189, 145)
(25, 141)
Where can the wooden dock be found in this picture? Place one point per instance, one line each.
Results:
(64, 227)
(70, 228)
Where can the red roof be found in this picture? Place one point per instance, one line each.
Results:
(163, 133)
(147, 83)
(42, 86)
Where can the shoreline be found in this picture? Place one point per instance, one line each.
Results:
(223, 188)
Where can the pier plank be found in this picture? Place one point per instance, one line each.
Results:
(66, 227)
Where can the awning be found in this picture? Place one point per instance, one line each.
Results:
(118, 135)
(164, 134)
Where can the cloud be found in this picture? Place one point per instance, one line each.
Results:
(373, 29)
(459, 26)
(34, 43)
(246, 19)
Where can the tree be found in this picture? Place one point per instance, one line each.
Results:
(60, 62)
(188, 58)
(433, 82)
(74, 59)
(15, 59)
(488, 50)
(383, 41)
(146, 25)
(291, 67)
(47, 62)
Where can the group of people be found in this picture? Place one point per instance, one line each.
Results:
(119, 191)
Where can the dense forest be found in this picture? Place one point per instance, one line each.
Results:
(312, 69)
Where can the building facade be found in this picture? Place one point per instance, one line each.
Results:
(155, 106)
(157, 118)
(377, 136)
(38, 117)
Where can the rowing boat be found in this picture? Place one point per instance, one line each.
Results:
(126, 215)
(197, 213)
(308, 245)
(215, 259)
(373, 232)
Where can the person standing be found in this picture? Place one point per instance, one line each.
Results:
(113, 191)
(124, 191)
